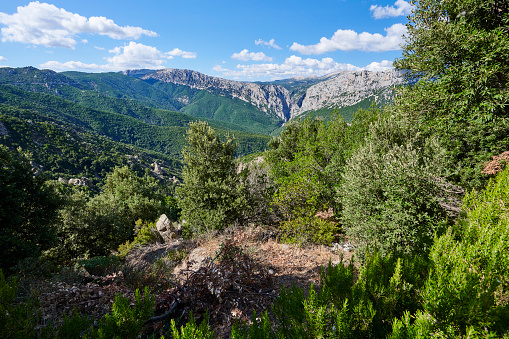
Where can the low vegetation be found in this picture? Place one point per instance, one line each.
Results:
(419, 189)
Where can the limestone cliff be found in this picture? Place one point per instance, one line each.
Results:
(344, 88)
(271, 99)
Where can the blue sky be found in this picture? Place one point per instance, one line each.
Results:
(243, 40)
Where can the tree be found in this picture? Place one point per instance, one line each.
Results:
(211, 196)
(391, 190)
(307, 162)
(91, 226)
(28, 208)
(457, 50)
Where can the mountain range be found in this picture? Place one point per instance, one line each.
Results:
(143, 114)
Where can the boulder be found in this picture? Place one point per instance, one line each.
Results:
(166, 228)
(157, 169)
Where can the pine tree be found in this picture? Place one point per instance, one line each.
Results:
(211, 196)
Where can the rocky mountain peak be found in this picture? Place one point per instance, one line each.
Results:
(292, 97)
(271, 99)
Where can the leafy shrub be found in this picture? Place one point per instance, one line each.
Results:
(468, 285)
(191, 330)
(95, 226)
(309, 230)
(261, 188)
(28, 208)
(212, 196)
(99, 265)
(307, 162)
(146, 233)
(126, 321)
(348, 304)
(18, 320)
(260, 328)
(390, 191)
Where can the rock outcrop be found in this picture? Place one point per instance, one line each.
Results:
(271, 99)
(348, 88)
(79, 182)
(344, 88)
(166, 228)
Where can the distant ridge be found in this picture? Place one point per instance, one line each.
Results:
(288, 98)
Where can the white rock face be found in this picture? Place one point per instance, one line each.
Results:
(347, 88)
(344, 88)
(267, 98)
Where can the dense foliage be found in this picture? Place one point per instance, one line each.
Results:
(425, 265)
(28, 209)
(211, 197)
(96, 225)
(458, 50)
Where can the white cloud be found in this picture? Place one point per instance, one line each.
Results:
(131, 56)
(99, 48)
(71, 65)
(137, 55)
(245, 55)
(400, 8)
(291, 67)
(349, 40)
(270, 43)
(295, 66)
(379, 66)
(45, 24)
(181, 53)
(2, 58)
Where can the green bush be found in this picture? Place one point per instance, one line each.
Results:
(390, 192)
(28, 208)
(468, 285)
(19, 319)
(125, 321)
(212, 196)
(146, 233)
(458, 51)
(97, 225)
(99, 265)
(311, 229)
(348, 304)
(193, 331)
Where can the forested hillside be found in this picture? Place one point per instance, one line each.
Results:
(114, 120)
(407, 201)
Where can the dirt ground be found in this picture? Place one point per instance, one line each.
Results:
(199, 279)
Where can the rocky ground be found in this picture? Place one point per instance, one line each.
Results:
(230, 275)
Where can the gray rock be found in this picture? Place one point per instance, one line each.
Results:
(80, 182)
(3, 130)
(157, 169)
(166, 228)
(340, 89)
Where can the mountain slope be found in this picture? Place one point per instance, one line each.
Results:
(285, 99)
(122, 128)
(64, 150)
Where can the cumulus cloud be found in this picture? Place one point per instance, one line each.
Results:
(71, 65)
(245, 55)
(131, 56)
(379, 66)
(291, 67)
(2, 58)
(349, 40)
(181, 53)
(47, 25)
(400, 8)
(270, 43)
